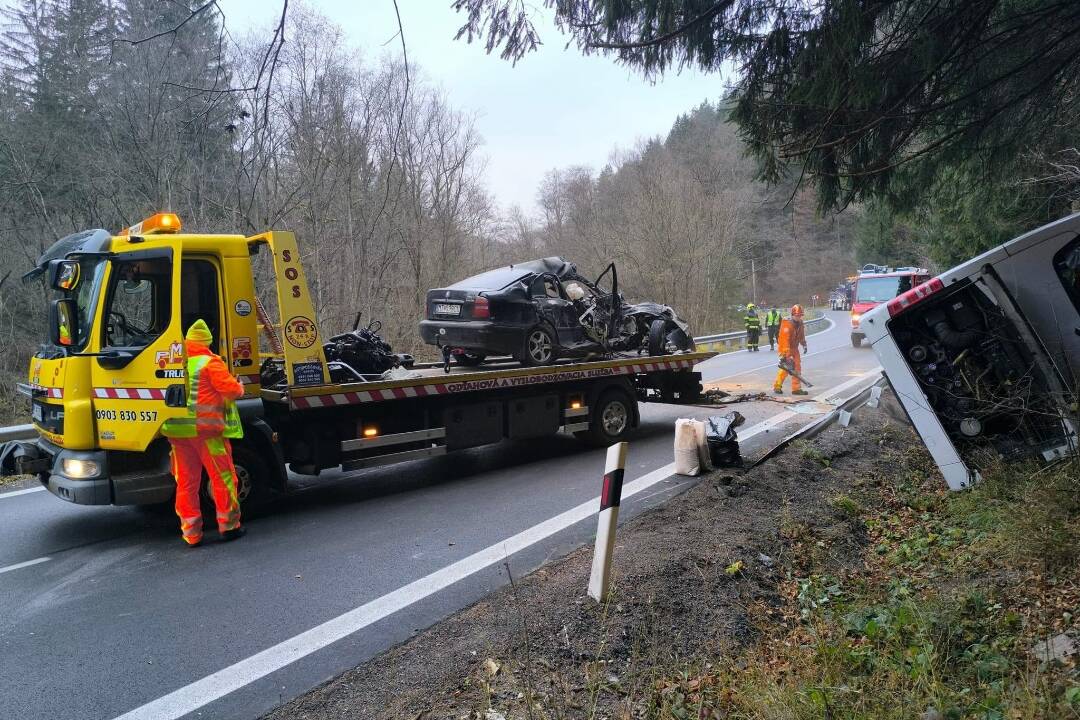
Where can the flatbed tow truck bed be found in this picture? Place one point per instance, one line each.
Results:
(365, 424)
(431, 379)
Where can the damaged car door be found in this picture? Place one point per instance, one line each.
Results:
(554, 308)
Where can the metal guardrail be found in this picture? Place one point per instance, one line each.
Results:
(17, 432)
(737, 338)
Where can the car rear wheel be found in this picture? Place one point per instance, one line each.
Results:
(468, 359)
(539, 347)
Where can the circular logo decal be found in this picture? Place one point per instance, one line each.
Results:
(301, 332)
(242, 308)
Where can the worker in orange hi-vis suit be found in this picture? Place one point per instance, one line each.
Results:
(792, 336)
(200, 439)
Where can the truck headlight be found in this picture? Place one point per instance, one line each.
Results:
(77, 469)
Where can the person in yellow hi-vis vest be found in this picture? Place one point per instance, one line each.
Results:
(792, 335)
(200, 439)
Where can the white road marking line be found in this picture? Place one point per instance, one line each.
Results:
(772, 365)
(833, 392)
(217, 685)
(13, 493)
(28, 563)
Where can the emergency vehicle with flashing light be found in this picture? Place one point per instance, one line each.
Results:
(876, 284)
(112, 372)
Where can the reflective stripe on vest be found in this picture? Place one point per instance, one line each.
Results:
(210, 419)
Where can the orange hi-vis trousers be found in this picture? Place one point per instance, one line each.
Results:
(782, 375)
(189, 457)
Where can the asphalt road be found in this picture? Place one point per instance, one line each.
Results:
(103, 610)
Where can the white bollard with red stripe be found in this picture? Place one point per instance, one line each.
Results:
(610, 497)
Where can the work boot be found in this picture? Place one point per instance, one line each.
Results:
(234, 534)
(799, 392)
(778, 391)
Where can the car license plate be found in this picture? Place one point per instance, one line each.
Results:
(447, 309)
(36, 413)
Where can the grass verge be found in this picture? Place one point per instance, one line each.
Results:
(948, 616)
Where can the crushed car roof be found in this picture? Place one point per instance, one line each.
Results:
(499, 278)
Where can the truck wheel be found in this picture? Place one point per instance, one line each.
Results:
(252, 475)
(540, 347)
(610, 419)
(468, 359)
(856, 341)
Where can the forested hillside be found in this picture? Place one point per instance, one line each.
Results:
(113, 111)
(688, 224)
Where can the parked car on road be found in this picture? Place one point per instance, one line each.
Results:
(985, 357)
(541, 310)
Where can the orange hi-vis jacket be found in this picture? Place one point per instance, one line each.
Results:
(212, 391)
(792, 335)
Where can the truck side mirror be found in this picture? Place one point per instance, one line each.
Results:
(62, 323)
(64, 274)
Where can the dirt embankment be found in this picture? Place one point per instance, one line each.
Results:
(838, 580)
(688, 576)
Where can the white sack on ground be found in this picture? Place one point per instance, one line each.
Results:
(701, 435)
(687, 456)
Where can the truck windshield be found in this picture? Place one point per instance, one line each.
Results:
(880, 289)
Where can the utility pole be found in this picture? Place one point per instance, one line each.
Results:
(753, 281)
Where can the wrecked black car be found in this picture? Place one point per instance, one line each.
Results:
(543, 310)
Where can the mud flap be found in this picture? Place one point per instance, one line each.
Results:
(20, 457)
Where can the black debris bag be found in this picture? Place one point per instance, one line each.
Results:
(722, 439)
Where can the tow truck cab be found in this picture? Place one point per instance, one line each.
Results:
(112, 371)
(876, 284)
(985, 357)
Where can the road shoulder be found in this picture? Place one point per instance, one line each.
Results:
(687, 574)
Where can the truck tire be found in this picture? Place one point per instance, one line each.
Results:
(856, 341)
(610, 419)
(539, 348)
(252, 474)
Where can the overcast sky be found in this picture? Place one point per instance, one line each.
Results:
(555, 108)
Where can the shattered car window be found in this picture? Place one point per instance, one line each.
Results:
(1067, 265)
(545, 287)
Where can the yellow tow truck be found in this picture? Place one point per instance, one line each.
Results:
(112, 372)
